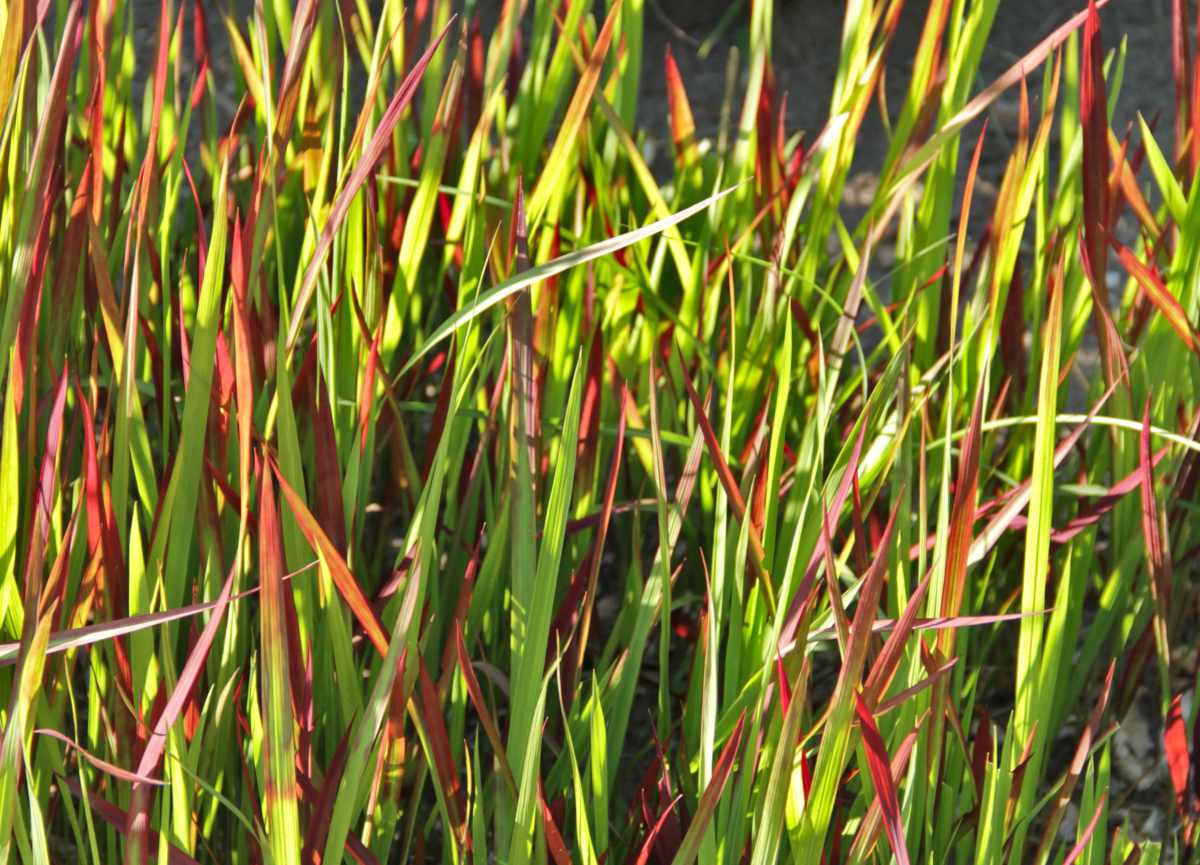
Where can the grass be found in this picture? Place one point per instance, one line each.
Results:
(398, 468)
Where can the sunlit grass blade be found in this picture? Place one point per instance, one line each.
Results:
(319, 482)
(366, 728)
(538, 273)
(533, 597)
(279, 752)
(362, 170)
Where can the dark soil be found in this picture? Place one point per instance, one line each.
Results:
(808, 35)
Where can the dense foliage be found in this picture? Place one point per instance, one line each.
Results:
(396, 467)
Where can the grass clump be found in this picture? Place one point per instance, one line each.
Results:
(396, 468)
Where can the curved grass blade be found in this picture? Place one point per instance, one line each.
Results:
(102, 765)
(534, 275)
(119, 820)
(75, 638)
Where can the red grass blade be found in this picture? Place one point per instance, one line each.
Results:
(597, 552)
(728, 483)
(25, 344)
(554, 839)
(138, 824)
(711, 796)
(1019, 497)
(683, 126)
(962, 518)
(724, 473)
(346, 584)
(326, 482)
(1157, 554)
(840, 620)
(279, 744)
(1181, 68)
(1098, 216)
(869, 828)
(899, 698)
(648, 842)
(481, 709)
(119, 820)
(1160, 295)
(1093, 112)
(1019, 71)
(865, 611)
(1078, 849)
(321, 803)
(243, 377)
(935, 624)
(888, 661)
(1078, 763)
(1091, 515)
(839, 501)
(366, 400)
(881, 777)
(429, 708)
(102, 765)
(144, 181)
(41, 167)
(1176, 745)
